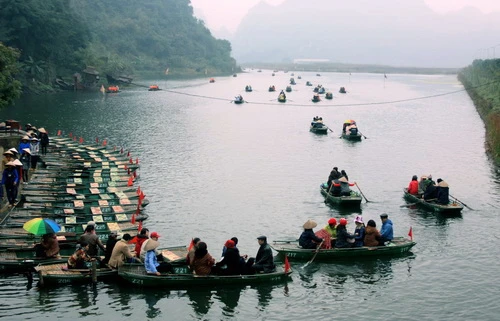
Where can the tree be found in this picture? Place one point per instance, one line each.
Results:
(10, 88)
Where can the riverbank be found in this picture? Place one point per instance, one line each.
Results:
(483, 86)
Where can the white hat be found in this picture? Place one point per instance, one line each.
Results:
(42, 130)
(27, 150)
(17, 162)
(11, 163)
(14, 150)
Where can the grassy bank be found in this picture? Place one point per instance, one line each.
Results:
(482, 82)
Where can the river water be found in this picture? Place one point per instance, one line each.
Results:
(214, 169)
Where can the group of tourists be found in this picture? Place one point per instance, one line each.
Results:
(349, 127)
(317, 122)
(201, 261)
(429, 190)
(16, 163)
(335, 235)
(338, 183)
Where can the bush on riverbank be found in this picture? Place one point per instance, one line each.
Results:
(482, 82)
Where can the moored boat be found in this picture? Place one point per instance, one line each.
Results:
(353, 200)
(59, 274)
(183, 278)
(291, 249)
(452, 208)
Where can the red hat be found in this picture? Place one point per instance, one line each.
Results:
(332, 221)
(343, 221)
(230, 244)
(154, 234)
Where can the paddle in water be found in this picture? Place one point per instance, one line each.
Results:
(361, 192)
(314, 256)
(456, 199)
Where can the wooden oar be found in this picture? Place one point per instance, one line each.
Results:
(314, 256)
(362, 135)
(361, 192)
(326, 197)
(462, 202)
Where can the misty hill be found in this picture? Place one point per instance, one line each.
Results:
(390, 32)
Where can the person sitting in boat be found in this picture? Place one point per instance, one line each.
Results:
(78, 259)
(263, 261)
(334, 174)
(121, 253)
(344, 186)
(430, 193)
(344, 239)
(238, 98)
(422, 184)
(344, 174)
(110, 245)
(359, 232)
(202, 261)
(443, 192)
(139, 240)
(331, 229)
(352, 129)
(308, 240)
(48, 246)
(231, 262)
(386, 232)
(336, 188)
(372, 235)
(192, 248)
(151, 263)
(282, 93)
(91, 238)
(413, 186)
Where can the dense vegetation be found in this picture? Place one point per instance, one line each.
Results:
(482, 81)
(61, 37)
(10, 88)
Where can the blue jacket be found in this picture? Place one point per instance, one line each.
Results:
(359, 236)
(10, 176)
(151, 262)
(386, 231)
(23, 146)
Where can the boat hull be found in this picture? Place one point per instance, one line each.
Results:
(453, 208)
(354, 138)
(352, 201)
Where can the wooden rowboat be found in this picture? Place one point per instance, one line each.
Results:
(452, 208)
(398, 246)
(319, 128)
(183, 278)
(354, 200)
(59, 274)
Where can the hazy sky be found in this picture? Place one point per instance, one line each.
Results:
(228, 13)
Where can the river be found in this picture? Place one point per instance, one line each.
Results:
(215, 170)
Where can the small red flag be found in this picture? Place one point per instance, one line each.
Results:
(139, 228)
(128, 153)
(130, 181)
(74, 138)
(287, 264)
(104, 142)
(128, 171)
(97, 140)
(191, 245)
(135, 174)
(81, 140)
(130, 161)
(125, 166)
(133, 240)
(133, 219)
(142, 196)
(70, 134)
(410, 233)
(114, 147)
(121, 151)
(137, 161)
(59, 132)
(139, 190)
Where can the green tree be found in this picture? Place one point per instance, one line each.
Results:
(10, 88)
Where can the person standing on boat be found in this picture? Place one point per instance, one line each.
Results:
(308, 240)
(372, 235)
(386, 232)
(139, 240)
(202, 262)
(443, 192)
(10, 179)
(344, 239)
(413, 186)
(359, 232)
(91, 238)
(44, 140)
(263, 261)
(121, 253)
(34, 150)
(26, 161)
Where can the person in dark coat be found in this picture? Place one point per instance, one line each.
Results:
(263, 261)
(359, 232)
(430, 192)
(334, 174)
(308, 240)
(231, 260)
(44, 140)
(110, 245)
(10, 179)
(443, 192)
(344, 239)
(372, 235)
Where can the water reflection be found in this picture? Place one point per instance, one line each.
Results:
(229, 297)
(419, 214)
(152, 298)
(201, 300)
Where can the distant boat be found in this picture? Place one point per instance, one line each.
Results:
(282, 98)
(272, 74)
(299, 77)
(329, 95)
(154, 88)
(211, 80)
(316, 98)
(272, 88)
(292, 81)
(112, 89)
(248, 88)
(288, 89)
(259, 70)
(342, 90)
(239, 99)
(235, 75)
(309, 83)
(318, 75)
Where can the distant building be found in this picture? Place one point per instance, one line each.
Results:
(309, 61)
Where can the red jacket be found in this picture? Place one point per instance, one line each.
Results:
(413, 187)
(139, 240)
